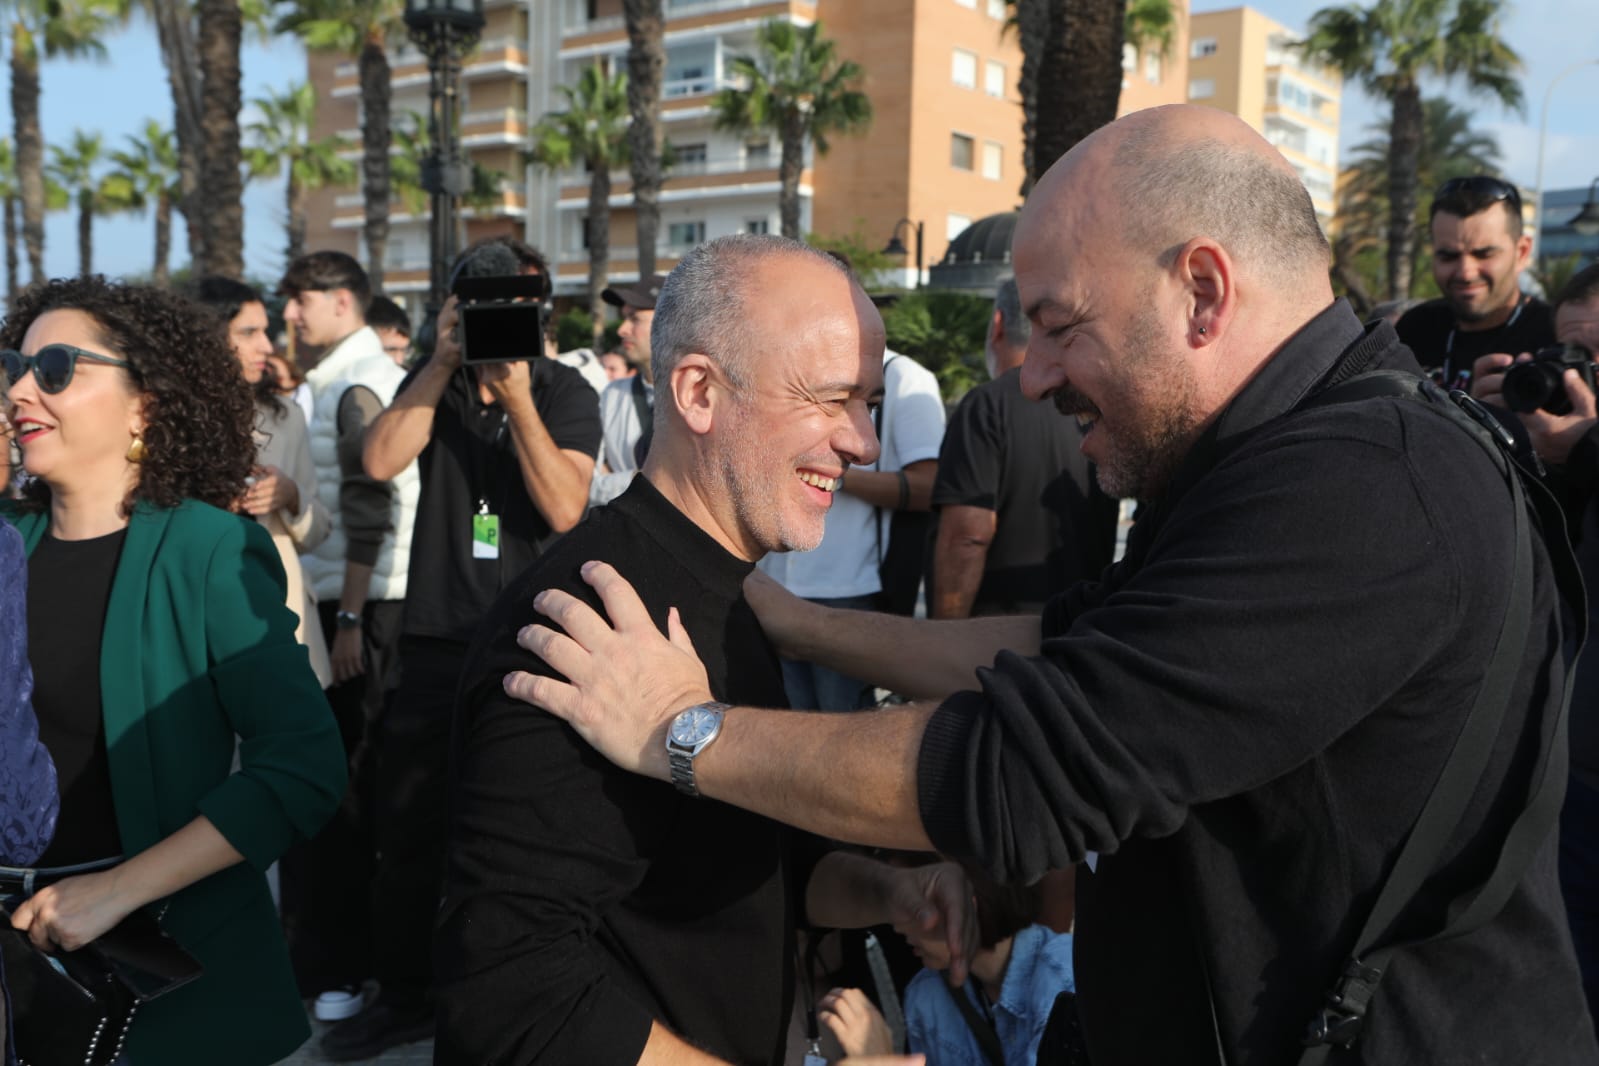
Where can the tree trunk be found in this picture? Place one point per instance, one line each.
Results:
(30, 145)
(13, 268)
(1032, 27)
(375, 98)
(789, 169)
(599, 244)
(163, 239)
(1404, 158)
(295, 200)
(646, 63)
(180, 54)
(85, 233)
(1079, 75)
(221, 27)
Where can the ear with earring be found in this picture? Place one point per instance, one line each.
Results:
(137, 450)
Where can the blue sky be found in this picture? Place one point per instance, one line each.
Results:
(118, 96)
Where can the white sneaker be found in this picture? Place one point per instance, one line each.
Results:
(338, 1004)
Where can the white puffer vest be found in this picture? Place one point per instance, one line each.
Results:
(359, 359)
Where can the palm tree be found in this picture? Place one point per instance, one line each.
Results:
(146, 177)
(52, 28)
(362, 28)
(8, 193)
(220, 33)
(1389, 47)
(592, 131)
(1450, 148)
(799, 88)
(76, 168)
(281, 140)
(411, 146)
(646, 64)
(1151, 22)
(1071, 80)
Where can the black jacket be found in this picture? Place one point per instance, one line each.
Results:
(1244, 718)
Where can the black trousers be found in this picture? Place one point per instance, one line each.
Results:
(326, 881)
(413, 749)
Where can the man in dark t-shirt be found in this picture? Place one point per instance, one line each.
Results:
(1019, 513)
(1478, 254)
(504, 452)
(591, 916)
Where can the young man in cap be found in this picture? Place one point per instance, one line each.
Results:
(627, 405)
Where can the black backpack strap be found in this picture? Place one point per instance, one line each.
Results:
(1342, 1017)
(982, 1028)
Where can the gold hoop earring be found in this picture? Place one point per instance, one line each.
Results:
(137, 450)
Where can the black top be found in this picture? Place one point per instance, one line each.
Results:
(1251, 708)
(1023, 461)
(1430, 333)
(582, 901)
(69, 586)
(469, 462)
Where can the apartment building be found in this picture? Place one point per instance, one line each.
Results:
(944, 148)
(1240, 60)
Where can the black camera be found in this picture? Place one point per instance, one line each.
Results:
(1538, 384)
(502, 317)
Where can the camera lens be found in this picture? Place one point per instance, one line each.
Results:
(1529, 386)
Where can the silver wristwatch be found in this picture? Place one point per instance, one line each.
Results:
(690, 733)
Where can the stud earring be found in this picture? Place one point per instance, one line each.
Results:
(1201, 331)
(137, 450)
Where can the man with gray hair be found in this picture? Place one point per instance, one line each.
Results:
(1019, 513)
(1334, 589)
(591, 916)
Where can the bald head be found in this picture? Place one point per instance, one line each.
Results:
(1170, 174)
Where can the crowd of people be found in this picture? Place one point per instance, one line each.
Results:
(490, 651)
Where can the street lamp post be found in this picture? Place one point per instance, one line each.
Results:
(444, 31)
(1543, 132)
(897, 247)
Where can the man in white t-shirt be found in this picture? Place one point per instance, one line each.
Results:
(843, 571)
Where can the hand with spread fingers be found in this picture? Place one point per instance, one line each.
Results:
(855, 1022)
(624, 684)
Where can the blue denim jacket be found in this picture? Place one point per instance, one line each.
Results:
(1040, 969)
(28, 796)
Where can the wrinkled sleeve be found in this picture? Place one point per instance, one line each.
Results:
(28, 794)
(544, 840)
(291, 771)
(1243, 646)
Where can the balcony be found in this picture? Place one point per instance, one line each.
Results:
(578, 25)
(407, 67)
(683, 174)
(349, 209)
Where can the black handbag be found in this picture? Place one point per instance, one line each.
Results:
(74, 1008)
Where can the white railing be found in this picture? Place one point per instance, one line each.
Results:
(730, 165)
(681, 87)
(494, 116)
(604, 25)
(619, 253)
(686, 8)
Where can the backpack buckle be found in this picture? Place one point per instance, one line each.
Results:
(1344, 1015)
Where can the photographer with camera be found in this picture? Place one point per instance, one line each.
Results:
(504, 440)
(1552, 391)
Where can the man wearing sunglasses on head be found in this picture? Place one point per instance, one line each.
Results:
(1478, 254)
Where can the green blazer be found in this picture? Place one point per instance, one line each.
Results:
(198, 650)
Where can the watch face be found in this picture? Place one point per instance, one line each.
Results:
(694, 725)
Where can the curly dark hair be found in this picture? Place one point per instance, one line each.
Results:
(198, 410)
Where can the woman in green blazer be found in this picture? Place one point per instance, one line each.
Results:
(135, 427)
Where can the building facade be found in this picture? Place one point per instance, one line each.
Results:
(944, 147)
(1241, 61)
(1557, 237)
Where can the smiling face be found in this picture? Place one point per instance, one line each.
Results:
(1101, 350)
(784, 443)
(79, 437)
(1478, 263)
(247, 334)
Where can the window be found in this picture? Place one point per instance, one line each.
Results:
(758, 226)
(690, 153)
(994, 79)
(963, 69)
(996, 9)
(960, 151)
(1152, 67)
(1129, 58)
(993, 156)
(1201, 88)
(1203, 48)
(955, 225)
(679, 234)
(758, 154)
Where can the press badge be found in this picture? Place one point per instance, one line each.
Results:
(485, 536)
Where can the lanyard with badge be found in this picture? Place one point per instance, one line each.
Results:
(485, 522)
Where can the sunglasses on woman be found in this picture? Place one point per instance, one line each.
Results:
(52, 366)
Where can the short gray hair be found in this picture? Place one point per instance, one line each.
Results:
(1259, 211)
(1008, 301)
(703, 308)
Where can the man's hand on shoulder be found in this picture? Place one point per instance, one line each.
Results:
(623, 685)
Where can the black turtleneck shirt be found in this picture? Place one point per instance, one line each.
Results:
(582, 902)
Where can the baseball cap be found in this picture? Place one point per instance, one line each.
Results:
(641, 294)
